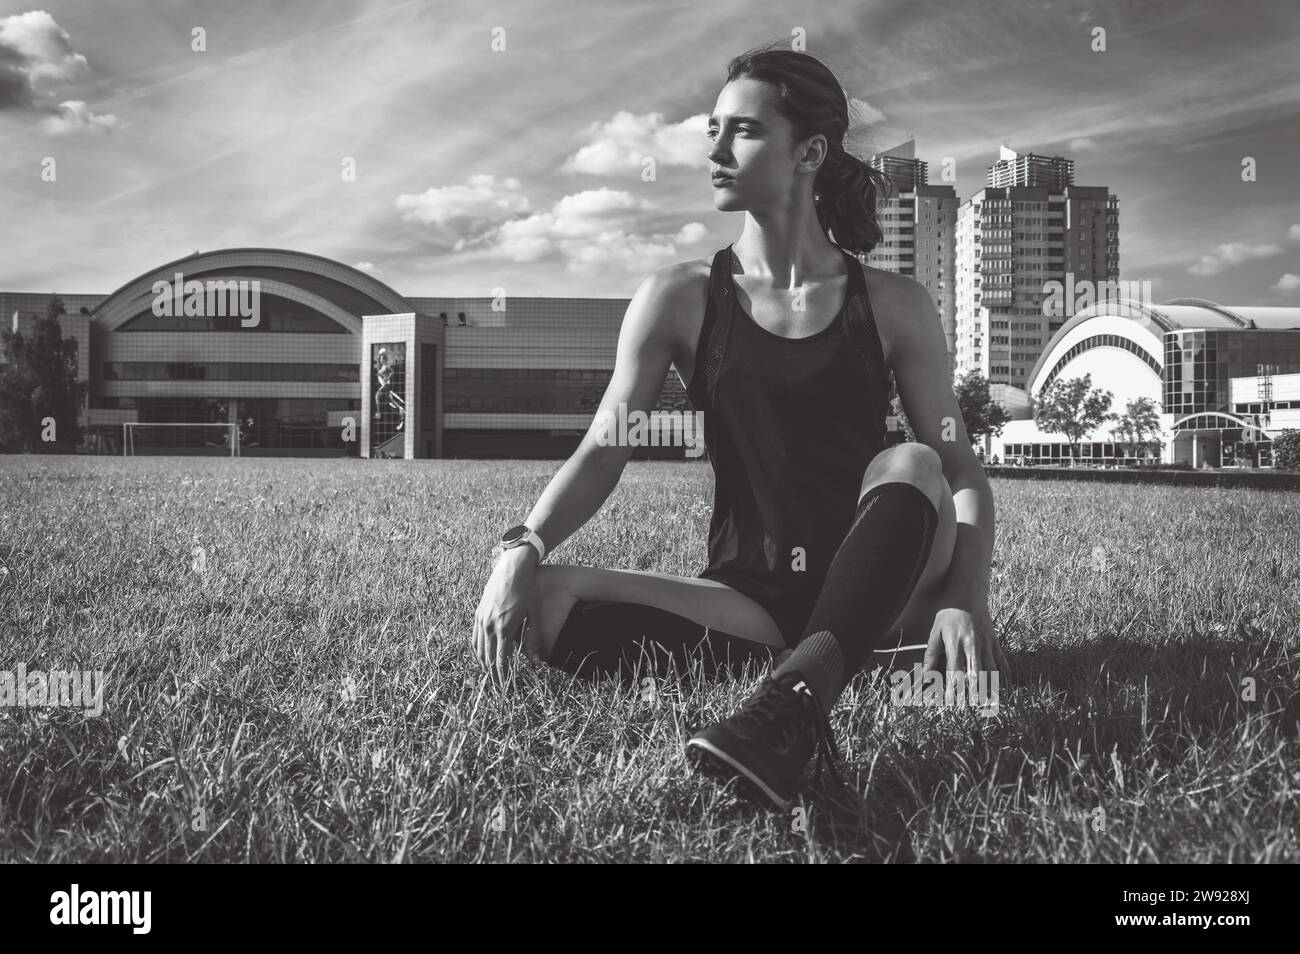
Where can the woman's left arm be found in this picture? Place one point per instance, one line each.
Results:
(918, 354)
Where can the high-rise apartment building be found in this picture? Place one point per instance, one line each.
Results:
(1030, 226)
(918, 221)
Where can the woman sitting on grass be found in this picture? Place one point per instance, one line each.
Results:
(826, 546)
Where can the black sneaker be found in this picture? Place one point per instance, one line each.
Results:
(768, 740)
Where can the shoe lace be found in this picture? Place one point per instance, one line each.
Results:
(777, 696)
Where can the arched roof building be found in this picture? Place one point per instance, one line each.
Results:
(1191, 357)
(281, 349)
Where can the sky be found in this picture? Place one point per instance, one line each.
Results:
(456, 148)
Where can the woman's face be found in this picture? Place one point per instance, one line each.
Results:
(754, 145)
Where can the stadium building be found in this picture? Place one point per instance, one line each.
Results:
(280, 353)
(1225, 379)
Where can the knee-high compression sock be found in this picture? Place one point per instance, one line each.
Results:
(602, 637)
(867, 587)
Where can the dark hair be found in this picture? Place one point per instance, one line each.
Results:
(846, 189)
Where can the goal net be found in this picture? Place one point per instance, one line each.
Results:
(180, 438)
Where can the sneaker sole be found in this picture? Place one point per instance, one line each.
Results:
(712, 761)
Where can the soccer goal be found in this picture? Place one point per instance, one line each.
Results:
(179, 438)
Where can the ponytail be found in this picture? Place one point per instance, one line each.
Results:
(847, 192)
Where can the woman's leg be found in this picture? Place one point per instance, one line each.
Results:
(883, 585)
(630, 639)
(913, 625)
(728, 614)
(883, 579)
(586, 603)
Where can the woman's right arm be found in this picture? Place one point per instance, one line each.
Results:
(648, 341)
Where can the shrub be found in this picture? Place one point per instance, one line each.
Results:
(1286, 450)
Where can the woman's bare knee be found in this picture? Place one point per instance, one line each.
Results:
(557, 584)
(911, 462)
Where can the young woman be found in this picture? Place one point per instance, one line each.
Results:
(825, 546)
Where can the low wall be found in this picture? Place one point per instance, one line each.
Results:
(1261, 479)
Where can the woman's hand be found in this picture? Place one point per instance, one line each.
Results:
(964, 636)
(511, 599)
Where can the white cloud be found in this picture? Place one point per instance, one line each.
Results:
(36, 55)
(1293, 233)
(74, 116)
(369, 268)
(620, 146)
(630, 254)
(1287, 283)
(863, 113)
(481, 203)
(691, 232)
(585, 213)
(1083, 144)
(1232, 253)
(595, 233)
(575, 219)
(43, 48)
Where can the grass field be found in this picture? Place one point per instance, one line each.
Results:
(288, 678)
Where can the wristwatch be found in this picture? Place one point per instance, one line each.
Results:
(517, 537)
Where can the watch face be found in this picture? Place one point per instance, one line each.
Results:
(513, 535)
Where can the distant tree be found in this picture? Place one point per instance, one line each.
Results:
(980, 414)
(1073, 408)
(1139, 426)
(16, 386)
(896, 409)
(39, 381)
(1286, 450)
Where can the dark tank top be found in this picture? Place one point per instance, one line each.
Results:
(789, 425)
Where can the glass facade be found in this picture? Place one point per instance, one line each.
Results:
(387, 392)
(1193, 378)
(1199, 364)
(1059, 453)
(299, 423)
(227, 371)
(289, 423)
(545, 390)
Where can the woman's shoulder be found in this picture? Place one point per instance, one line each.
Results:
(684, 285)
(890, 289)
(895, 299)
(685, 276)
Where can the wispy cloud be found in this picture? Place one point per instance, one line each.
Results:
(1232, 253)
